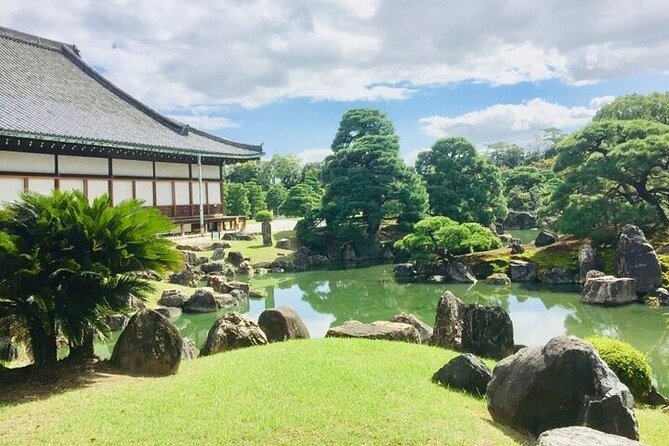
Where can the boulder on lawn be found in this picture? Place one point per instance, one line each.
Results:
(424, 330)
(560, 276)
(608, 291)
(189, 350)
(149, 345)
(460, 272)
(203, 300)
(545, 238)
(482, 330)
(235, 257)
(213, 267)
(465, 372)
(245, 268)
(219, 245)
(636, 258)
(517, 246)
(232, 331)
(391, 331)
(563, 383)
(218, 283)
(405, 272)
(281, 324)
(582, 436)
(522, 271)
(186, 277)
(498, 279)
(218, 254)
(190, 257)
(173, 298)
(283, 243)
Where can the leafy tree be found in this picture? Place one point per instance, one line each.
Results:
(243, 172)
(263, 216)
(236, 199)
(436, 237)
(652, 107)
(66, 263)
(359, 122)
(257, 198)
(301, 199)
(461, 184)
(276, 195)
(367, 182)
(503, 154)
(280, 169)
(624, 161)
(527, 187)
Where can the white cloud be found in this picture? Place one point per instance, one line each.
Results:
(204, 122)
(255, 52)
(514, 123)
(410, 157)
(313, 155)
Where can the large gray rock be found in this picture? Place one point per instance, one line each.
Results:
(189, 350)
(149, 345)
(203, 300)
(587, 261)
(545, 238)
(424, 330)
(560, 276)
(266, 230)
(608, 291)
(391, 331)
(636, 258)
(460, 272)
(169, 312)
(245, 268)
(213, 267)
(218, 254)
(190, 257)
(188, 276)
(232, 331)
(498, 279)
(482, 330)
(465, 372)
(659, 297)
(173, 298)
(517, 246)
(283, 243)
(405, 272)
(235, 257)
(229, 286)
(281, 324)
(116, 322)
(522, 271)
(563, 383)
(520, 220)
(582, 436)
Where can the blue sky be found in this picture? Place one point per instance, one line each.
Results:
(283, 72)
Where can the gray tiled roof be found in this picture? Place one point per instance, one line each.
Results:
(48, 92)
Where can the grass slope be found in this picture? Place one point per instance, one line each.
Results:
(329, 392)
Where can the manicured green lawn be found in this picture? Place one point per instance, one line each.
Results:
(330, 391)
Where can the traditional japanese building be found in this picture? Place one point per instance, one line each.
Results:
(64, 126)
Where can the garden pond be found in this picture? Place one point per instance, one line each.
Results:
(327, 298)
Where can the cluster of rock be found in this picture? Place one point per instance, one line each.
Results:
(151, 344)
(402, 327)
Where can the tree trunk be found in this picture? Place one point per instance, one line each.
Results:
(85, 350)
(43, 344)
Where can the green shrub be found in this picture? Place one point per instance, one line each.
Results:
(629, 364)
(263, 216)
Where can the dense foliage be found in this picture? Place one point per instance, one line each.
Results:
(527, 187)
(359, 122)
(65, 263)
(462, 184)
(304, 197)
(437, 237)
(263, 216)
(276, 195)
(236, 199)
(629, 364)
(257, 198)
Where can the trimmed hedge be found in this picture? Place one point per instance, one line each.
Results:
(629, 364)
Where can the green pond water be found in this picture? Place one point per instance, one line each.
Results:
(327, 298)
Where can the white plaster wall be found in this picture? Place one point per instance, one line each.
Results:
(145, 191)
(97, 188)
(132, 168)
(163, 193)
(71, 184)
(83, 165)
(171, 170)
(181, 192)
(10, 188)
(208, 172)
(214, 192)
(26, 162)
(41, 185)
(123, 191)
